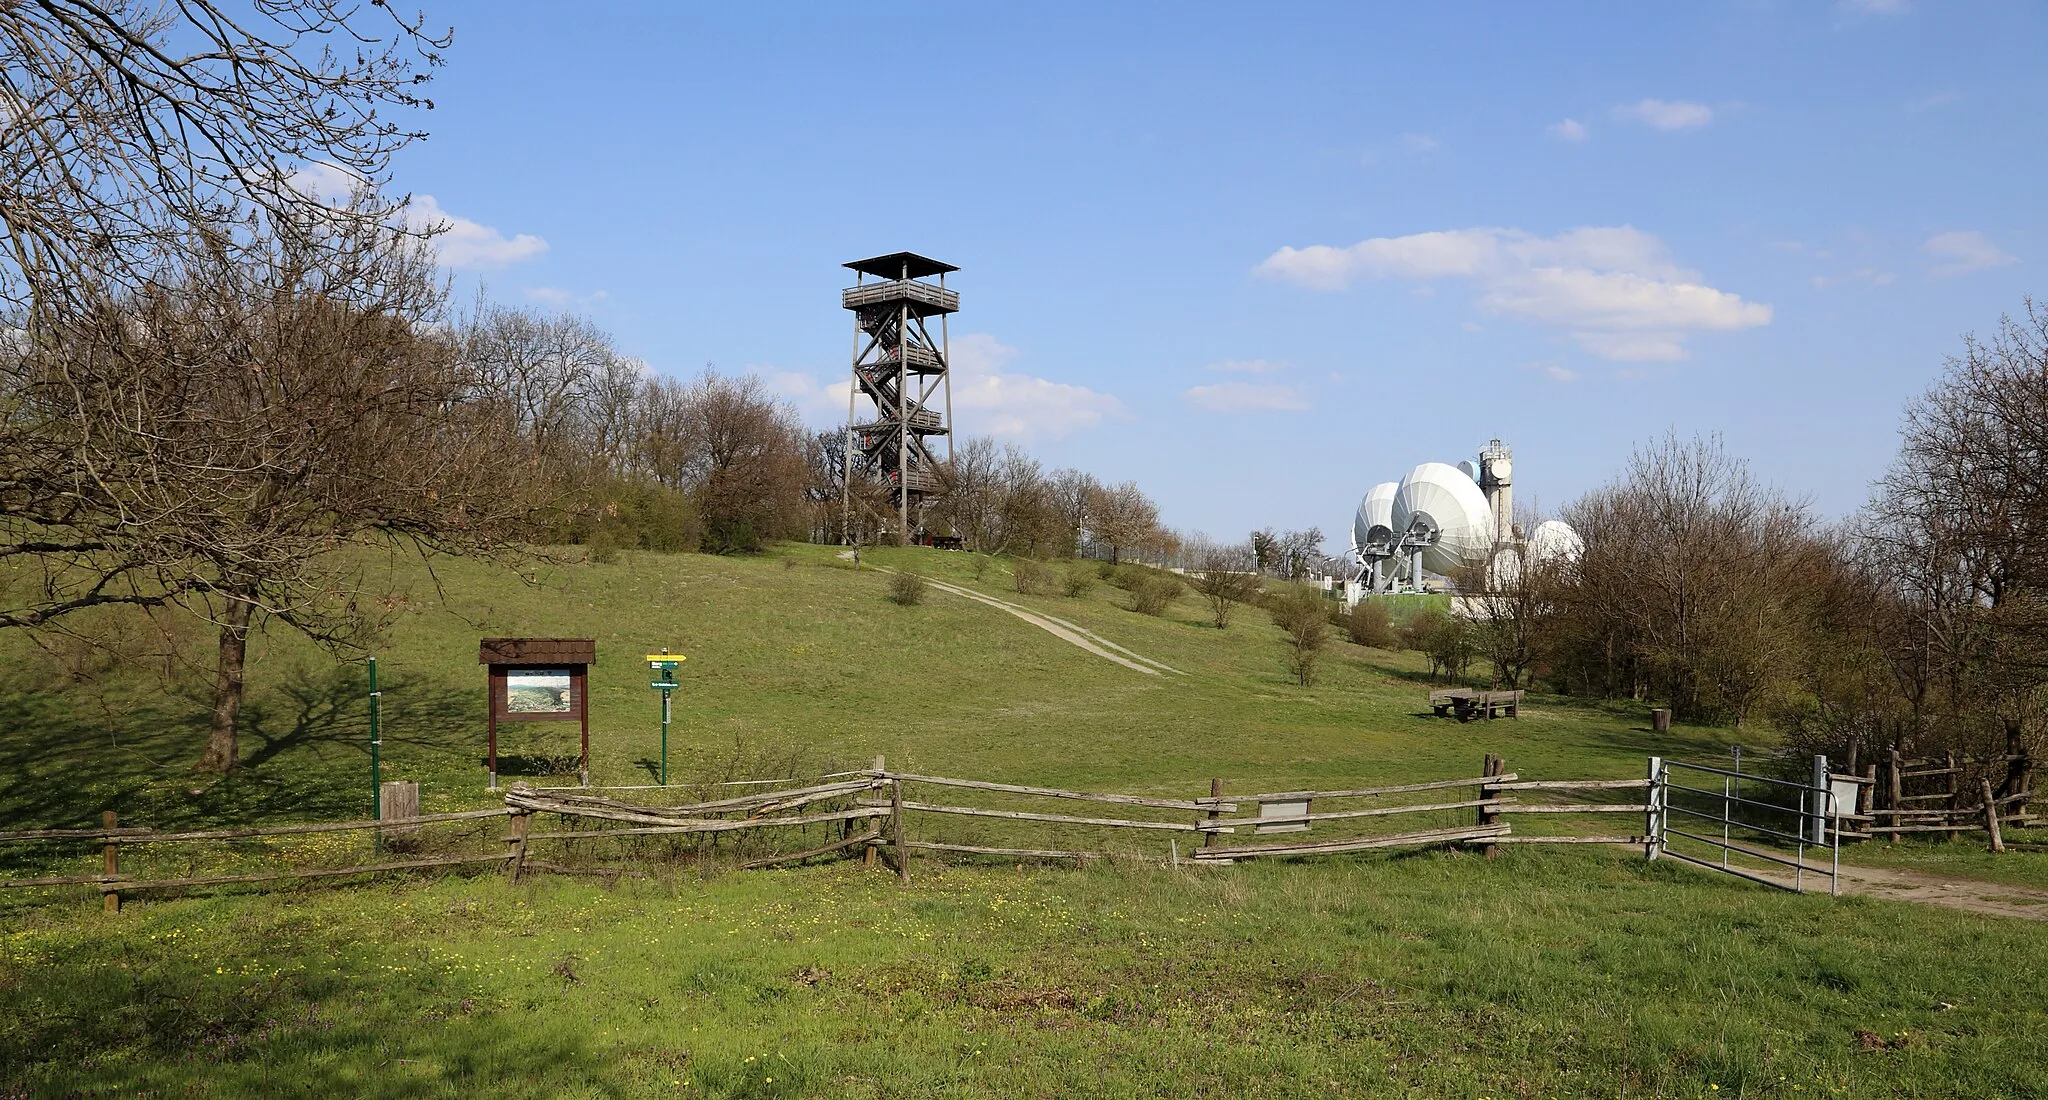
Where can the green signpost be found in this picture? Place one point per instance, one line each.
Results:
(664, 664)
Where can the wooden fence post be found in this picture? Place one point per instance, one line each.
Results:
(1991, 818)
(521, 822)
(1894, 791)
(1954, 790)
(867, 852)
(1490, 815)
(896, 821)
(1215, 791)
(110, 859)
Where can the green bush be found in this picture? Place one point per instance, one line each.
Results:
(1446, 640)
(1033, 577)
(1153, 595)
(1304, 614)
(1078, 581)
(906, 589)
(1368, 624)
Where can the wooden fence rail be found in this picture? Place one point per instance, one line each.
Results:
(877, 825)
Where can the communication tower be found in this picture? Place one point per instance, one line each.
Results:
(898, 366)
(1496, 480)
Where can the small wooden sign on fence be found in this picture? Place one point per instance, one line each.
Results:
(1291, 812)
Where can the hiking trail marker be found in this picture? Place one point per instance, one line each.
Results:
(664, 665)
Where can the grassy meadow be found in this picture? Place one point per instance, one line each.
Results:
(1540, 973)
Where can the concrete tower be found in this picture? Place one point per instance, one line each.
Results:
(1496, 480)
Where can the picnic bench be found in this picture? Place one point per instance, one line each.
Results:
(1469, 703)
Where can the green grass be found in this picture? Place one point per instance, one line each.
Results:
(812, 656)
(1540, 973)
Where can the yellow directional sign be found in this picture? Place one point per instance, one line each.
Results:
(665, 660)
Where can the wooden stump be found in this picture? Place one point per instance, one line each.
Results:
(397, 801)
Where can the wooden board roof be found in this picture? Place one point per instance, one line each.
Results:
(537, 651)
(892, 266)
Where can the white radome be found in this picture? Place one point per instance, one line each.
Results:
(1374, 522)
(1503, 471)
(1554, 540)
(1444, 499)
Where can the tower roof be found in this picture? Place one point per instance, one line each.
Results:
(892, 266)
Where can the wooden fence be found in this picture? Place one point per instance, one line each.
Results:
(1947, 794)
(882, 814)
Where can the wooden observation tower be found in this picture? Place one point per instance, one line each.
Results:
(898, 366)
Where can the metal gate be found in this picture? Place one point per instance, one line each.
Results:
(1732, 820)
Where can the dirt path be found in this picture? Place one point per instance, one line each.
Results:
(1948, 891)
(1066, 631)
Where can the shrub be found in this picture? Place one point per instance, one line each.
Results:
(1303, 613)
(1224, 577)
(1033, 577)
(1368, 624)
(1152, 595)
(1445, 640)
(602, 547)
(978, 565)
(906, 588)
(1078, 581)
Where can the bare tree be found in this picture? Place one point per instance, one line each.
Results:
(1071, 492)
(232, 441)
(1122, 518)
(559, 375)
(126, 127)
(1226, 577)
(1687, 587)
(1958, 537)
(742, 456)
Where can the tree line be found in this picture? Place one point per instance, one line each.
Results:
(223, 393)
(1920, 622)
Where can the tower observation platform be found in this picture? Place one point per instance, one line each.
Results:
(899, 367)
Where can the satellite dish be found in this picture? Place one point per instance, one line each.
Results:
(1554, 540)
(1443, 510)
(1373, 526)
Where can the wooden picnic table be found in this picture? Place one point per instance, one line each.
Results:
(1468, 703)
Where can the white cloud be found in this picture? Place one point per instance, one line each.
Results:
(1938, 99)
(1965, 251)
(1874, 7)
(1559, 374)
(459, 243)
(818, 402)
(1570, 129)
(1248, 366)
(563, 299)
(1421, 143)
(1666, 114)
(1238, 397)
(987, 399)
(1616, 288)
(993, 401)
(462, 243)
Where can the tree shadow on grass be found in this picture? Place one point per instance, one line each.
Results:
(130, 746)
(115, 1017)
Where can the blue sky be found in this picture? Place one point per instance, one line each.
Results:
(1259, 257)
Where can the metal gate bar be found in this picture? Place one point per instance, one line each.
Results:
(1813, 808)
